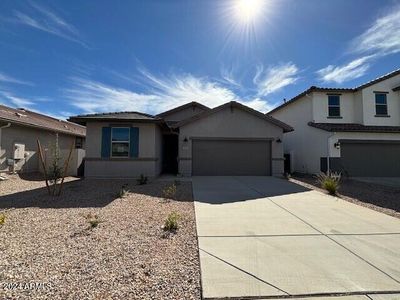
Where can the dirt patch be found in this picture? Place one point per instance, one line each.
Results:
(377, 197)
(49, 241)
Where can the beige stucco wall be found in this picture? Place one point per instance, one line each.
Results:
(147, 163)
(184, 114)
(229, 123)
(305, 144)
(29, 136)
(393, 102)
(320, 108)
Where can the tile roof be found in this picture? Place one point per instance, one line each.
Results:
(116, 116)
(284, 126)
(337, 90)
(182, 107)
(353, 127)
(29, 118)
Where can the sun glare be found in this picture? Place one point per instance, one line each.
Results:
(248, 10)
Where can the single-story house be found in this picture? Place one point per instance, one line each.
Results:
(355, 131)
(231, 139)
(21, 128)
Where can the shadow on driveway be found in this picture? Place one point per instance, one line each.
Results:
(240, 188)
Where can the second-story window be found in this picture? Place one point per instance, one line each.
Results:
(333, 106)
(381, 104)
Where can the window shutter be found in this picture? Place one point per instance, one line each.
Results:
(105, 142)
(134, 142)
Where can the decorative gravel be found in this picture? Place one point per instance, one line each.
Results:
(49, 251)
(374, 196)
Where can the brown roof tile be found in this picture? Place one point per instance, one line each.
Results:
(33, 119)
(115, 116)
(353, 127)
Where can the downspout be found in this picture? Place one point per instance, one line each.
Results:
(328, 156)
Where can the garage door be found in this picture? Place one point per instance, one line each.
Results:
(370, 159)
(231, 157)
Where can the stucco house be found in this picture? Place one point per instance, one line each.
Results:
(21, 128)
(355, 131)
(192, 139)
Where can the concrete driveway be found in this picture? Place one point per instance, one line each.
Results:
(264, 237)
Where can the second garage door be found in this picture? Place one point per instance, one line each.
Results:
(371, 159)
(231, 157)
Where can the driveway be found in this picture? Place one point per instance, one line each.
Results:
(264, 237)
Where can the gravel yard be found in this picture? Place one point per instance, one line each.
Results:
(48, 241)
(374, 196)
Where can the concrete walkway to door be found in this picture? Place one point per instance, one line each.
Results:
(264, 237)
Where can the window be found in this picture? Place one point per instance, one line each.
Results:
(333, 105)
(120, 142)
(381, 104)
(78, 142)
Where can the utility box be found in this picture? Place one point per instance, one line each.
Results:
(19, 151)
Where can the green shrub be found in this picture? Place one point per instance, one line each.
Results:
(93, 220)
(329, 182)
(171, 223)
(2, 219)
(123, 192)
(142, 180)
(169, 192)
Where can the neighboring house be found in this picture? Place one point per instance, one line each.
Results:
(192, 139)
(358, 129)
(19, 131)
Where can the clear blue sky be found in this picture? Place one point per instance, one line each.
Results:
(73, 57)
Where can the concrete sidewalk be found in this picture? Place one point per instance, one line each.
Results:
(264, 237)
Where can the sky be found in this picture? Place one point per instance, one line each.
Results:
(65, 58)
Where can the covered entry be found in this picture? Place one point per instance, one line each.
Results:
(220, 157)
(370, 158)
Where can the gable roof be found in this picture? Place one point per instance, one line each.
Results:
(396, 89)
(183, 107)
(115, 116)
(337, 90)
(352, 127)
(284, 126)
(29, 118)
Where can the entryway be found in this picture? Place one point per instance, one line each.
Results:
(170, 154)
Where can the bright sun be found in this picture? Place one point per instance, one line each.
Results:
(248, 10)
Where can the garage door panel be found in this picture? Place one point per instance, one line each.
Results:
(231, 157)
(371, 159)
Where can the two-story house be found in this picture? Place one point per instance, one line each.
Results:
(355, 131)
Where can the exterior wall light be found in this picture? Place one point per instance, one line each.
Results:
(279, 140)
(185, 139)
(337, 145)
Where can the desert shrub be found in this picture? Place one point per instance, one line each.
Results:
(329, 182)
(123, 192)
(142, 179)
(93, 220)
(169, 192)
(2, 219)
(55, 170)
(171, 223)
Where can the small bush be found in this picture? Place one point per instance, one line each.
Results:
(329, 182)
(123, 192)
(93, 220)
(142, 180)
(287, 176)
(2, 219)
(169, 192)
(171, 223)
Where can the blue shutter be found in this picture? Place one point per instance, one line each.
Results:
(105, 142)
(134, 142)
